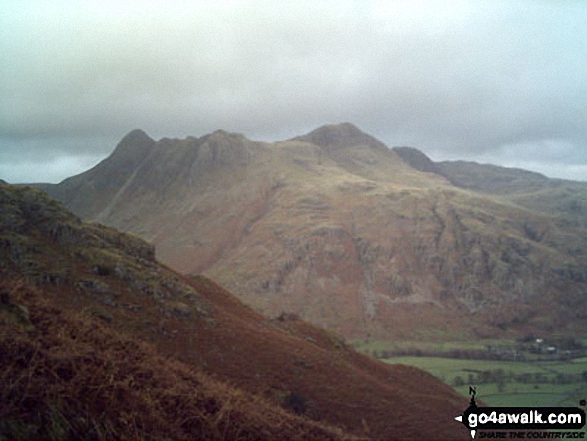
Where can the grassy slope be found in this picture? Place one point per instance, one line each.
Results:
(69, 376)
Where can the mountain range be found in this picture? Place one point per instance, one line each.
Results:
(338, 229)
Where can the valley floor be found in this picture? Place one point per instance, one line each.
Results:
(523, 377)
(525, 383)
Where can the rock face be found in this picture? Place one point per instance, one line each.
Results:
(335, 227)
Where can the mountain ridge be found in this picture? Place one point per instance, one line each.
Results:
(528, 189)
(356, 238)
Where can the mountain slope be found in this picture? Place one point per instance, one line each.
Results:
(527, 189)
(68, 376)
(79, 301)
(352, 236)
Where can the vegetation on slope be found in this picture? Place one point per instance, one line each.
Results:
(69, 376)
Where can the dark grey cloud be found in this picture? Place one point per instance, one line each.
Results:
(492, 81)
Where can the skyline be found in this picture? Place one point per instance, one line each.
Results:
(491, 82)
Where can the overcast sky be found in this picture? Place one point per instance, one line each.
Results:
(489, 81)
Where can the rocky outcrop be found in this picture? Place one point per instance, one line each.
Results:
(33, 227)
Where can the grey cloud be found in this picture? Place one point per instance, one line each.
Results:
(475, 79)
(29, 159)
(46, 169)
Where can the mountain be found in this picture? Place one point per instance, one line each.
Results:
(527, 189)
(99, 340)
(350, 235)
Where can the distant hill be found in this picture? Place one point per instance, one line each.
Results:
(100, 341)
(567, 199)
(350, 235)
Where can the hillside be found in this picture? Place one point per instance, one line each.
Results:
(531, 190)
(100, 340)
(68, 376)
(352, 236)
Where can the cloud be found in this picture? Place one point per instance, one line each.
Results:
(452, 78)
(50, 170)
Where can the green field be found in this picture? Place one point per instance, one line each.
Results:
(374, 346)
(548, 383)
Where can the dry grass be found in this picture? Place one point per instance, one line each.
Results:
(72, 378)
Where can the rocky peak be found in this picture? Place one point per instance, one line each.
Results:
(222, 147)
(134, 145)
(136, 135)
(340, 135)
(222, 137)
